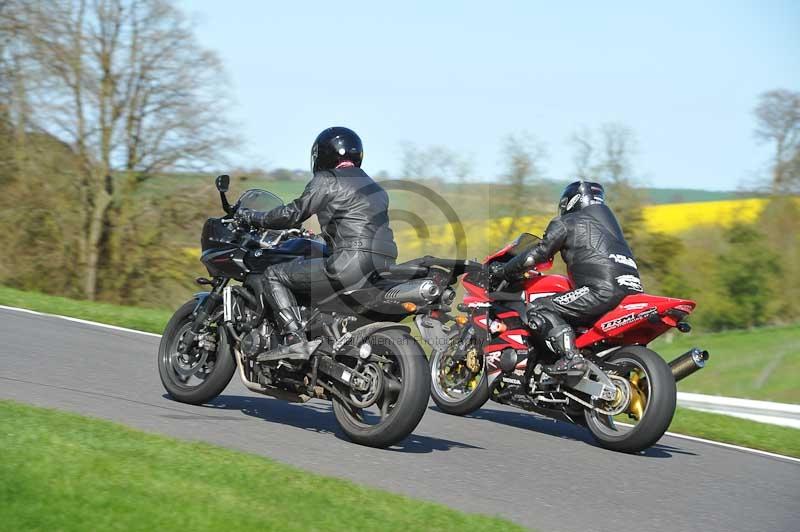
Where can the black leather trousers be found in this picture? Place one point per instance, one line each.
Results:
(318, 278)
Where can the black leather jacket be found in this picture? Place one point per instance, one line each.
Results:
(352, 210)
(593, 247)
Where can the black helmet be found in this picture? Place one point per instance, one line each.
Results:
(334, 146)
(580, 194)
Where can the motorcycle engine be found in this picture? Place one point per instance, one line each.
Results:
(256, 341)
(253, 343)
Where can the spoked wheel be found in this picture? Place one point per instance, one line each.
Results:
(393, 402)
(459, 385)
(643, 407)
(201, 372)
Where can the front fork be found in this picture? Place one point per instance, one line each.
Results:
(206, 304)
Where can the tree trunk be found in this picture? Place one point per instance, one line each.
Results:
(95, 233)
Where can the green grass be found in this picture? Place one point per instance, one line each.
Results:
(772, 438)
(761, 364)
(132, 317)
(66, 472)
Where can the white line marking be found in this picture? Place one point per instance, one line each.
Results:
(736, 447)
(674, 435)
(716, 400)
(76, 320)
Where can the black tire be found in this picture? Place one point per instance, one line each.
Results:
(214, 383)
(467, 405)
(657, 414)
(410, 405)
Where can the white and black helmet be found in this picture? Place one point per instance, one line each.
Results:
(580, 194)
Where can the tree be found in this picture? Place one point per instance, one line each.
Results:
(525, 156)
(745, 271)
(606, 155)
(127, 86)
(778, 122)
(435, 163)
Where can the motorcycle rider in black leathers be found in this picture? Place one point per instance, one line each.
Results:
(599, 262)
(352, 210)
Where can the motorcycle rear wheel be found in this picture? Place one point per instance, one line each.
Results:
(404, 397)
(212, 375)
(656, 386)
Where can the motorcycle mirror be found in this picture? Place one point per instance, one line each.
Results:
(223, 182)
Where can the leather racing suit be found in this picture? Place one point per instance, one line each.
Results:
(600, 264)
(352, 210)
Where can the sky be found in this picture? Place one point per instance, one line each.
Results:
(684, 76)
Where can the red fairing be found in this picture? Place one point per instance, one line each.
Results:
(499, 253)
(516, 339)
(541, 285)
(638, 319)
(475, 294)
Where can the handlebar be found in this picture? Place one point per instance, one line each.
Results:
(264, 242)
(268, 244)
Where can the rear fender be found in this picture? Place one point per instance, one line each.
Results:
(433, 332)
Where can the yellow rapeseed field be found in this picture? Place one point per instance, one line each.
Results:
(678, 217)
(485, 236)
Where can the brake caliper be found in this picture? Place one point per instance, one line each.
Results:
(472, 360)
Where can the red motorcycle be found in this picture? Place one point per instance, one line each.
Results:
(627, 396)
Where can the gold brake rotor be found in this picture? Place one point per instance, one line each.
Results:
(638, 399)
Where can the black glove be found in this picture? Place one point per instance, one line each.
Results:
(246, 216)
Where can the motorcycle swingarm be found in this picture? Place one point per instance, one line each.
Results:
(344, 374)
(595, 383)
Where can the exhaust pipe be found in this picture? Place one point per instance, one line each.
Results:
(691, 361)
(419, 291)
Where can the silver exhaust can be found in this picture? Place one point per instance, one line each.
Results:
(690, 362)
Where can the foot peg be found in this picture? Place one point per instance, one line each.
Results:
(298, 351)
(574, 367)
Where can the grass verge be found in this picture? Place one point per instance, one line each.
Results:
(141, 319)
(67, 472)
(727, 429)
(761, 363)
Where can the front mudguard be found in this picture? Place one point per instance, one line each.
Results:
(207, 302)
(200, 298)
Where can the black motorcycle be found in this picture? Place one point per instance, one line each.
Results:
(358, 355)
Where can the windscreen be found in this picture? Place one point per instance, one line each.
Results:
(522, 243)
(259, 200)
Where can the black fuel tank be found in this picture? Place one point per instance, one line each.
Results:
(260, 259)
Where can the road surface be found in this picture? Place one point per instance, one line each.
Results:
(500, 461)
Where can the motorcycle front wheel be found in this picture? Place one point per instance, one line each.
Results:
(454, 388)
(401, 397)
(199, 375)
(646, 384)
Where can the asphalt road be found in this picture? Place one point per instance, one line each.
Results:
(500, 461)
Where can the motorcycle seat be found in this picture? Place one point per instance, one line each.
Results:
(405, 270)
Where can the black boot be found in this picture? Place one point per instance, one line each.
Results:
(571, 364)
(290, 321)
